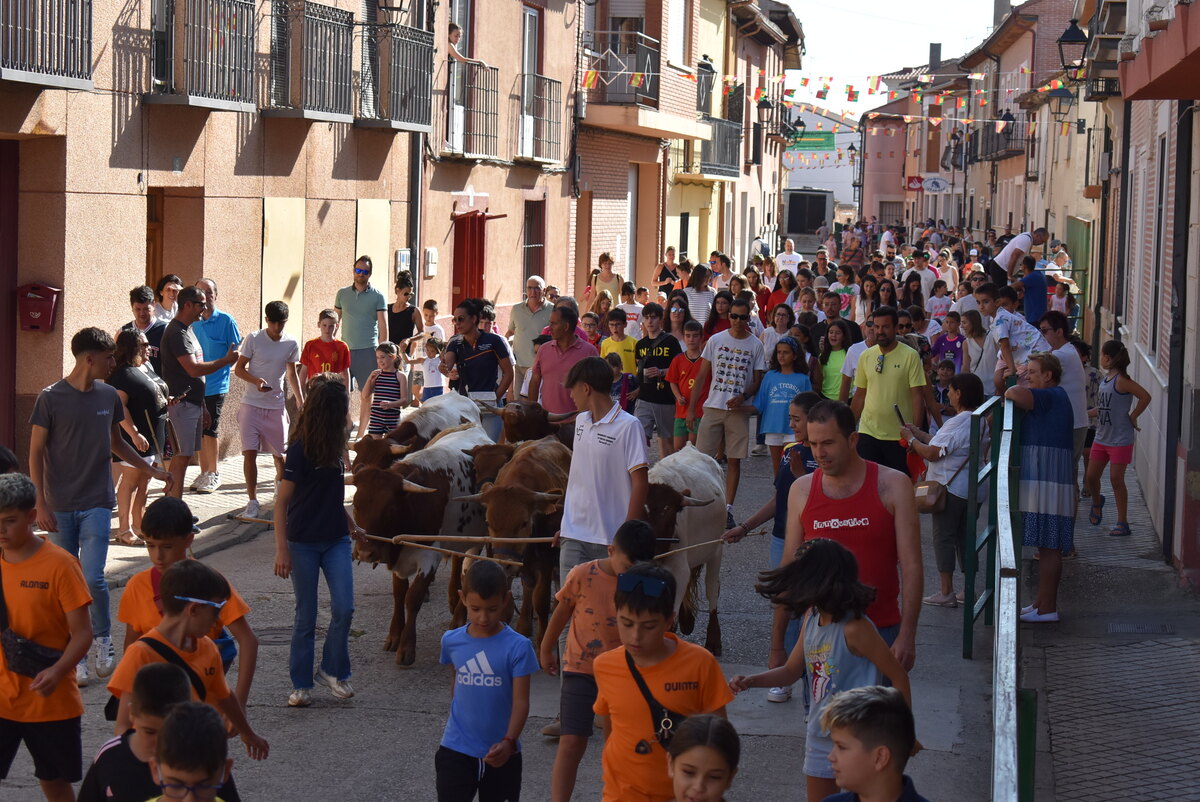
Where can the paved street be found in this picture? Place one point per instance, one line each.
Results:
(380, 744)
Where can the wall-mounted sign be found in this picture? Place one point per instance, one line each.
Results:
(936, 184)
(913, 183)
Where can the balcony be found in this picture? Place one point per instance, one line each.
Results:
(996, 145)
(621, 80)
(47, 42)
(721, 155)
(473, 111)
(540, 118)
(204, 54)
(311, 62)
(400, 97)
(1096, 89)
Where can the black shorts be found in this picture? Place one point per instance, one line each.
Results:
(884, 452)
(214, 404)
(56, 747)
(1088, 440)
(575, 704)
(460, 777)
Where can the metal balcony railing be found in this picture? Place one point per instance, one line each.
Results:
(721, 155)
(204, 53)
(625, 66)
(47, 42)
(996, 145)
(401, 96)
(541, 117)
(1101, 88)
(473, 110)
(311, 61)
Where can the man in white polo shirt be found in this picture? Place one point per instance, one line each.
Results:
(607, 484)
(788, 260)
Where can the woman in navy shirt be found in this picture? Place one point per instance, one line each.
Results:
(474, 357)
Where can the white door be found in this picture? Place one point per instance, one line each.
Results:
(529, 68)
(631, 194)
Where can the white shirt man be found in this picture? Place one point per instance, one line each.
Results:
(1009, 259)
(788, 260)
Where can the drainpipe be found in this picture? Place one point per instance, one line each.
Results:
(1122, 219)
(1101, 265)
(992, 169)
(416, 180)
(1179, 293)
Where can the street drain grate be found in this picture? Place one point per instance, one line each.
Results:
(1141, 629)
(274, 636)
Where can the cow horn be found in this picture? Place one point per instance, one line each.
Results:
(486, 407)
(399, 451)
(413, 487)
(476, 498)
(689, 501)
(558, 417)
(551, 496)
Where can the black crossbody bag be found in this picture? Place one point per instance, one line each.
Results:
(21, 655)
(171, 656)
(665, 721)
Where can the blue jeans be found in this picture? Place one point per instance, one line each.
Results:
(792, 633)
(84, 533)
(309, 559)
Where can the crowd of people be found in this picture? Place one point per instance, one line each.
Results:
(862, 375)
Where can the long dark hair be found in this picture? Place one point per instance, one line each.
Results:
(677, 297)
(713, 318)
(715, 732)
(320, 427)
(824, 575)
(910, 296)
(700, 275)
(780, 280)
(871, 298)
(891, 285)
(797, 355)
(826, 348)
(1118, 356)
(129, 342)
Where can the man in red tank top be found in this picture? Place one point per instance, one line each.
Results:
(869, 509)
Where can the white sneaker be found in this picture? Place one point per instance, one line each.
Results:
(81, 674)
(759, 451)
(780, 694)
(214, 481)
(208, 483)
(341, 688)
(300, 698)
(106, 655)
(253, 510)
(199, 482)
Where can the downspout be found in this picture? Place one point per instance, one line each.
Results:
(1122, 220)
(1101, 254)
(1179, 293)
(992, 169)
(416, 176)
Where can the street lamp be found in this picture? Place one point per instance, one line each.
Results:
(852, 151)
(1071, 47)
(1063, 99)
(765, 107)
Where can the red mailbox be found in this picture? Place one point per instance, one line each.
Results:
(36, 306)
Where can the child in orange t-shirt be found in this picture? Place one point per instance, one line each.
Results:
(324, 354)
(168, 530)
(683, 678)
(586, 601)
(192, 597)
(46, 602)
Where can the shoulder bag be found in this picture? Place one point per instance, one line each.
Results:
(665, 721)
(931, 495)
(21, 655)
(171, 656)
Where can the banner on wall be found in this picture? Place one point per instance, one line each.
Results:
(813, 140)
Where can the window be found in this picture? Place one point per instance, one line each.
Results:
(679, 31)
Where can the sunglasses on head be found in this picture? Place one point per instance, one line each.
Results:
(218, 605)
(651, 586)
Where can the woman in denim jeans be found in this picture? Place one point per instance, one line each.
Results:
(312, 535)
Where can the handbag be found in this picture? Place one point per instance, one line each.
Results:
(21, 655)
(931, 494)
(665, 721)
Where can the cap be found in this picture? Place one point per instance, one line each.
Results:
(974, 252)
(821, 282)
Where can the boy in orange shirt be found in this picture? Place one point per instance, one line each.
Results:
(682, 378)
(586, 601)
(192, 597)
(168, 529)
(682, 678)
(324, 354)
(46, 602)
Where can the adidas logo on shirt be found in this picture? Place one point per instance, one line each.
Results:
(478, 671)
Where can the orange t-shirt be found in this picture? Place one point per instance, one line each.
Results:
(683, 372)
(139, 606)
(325, 357)
(688, 682)
(594, 620)
(39, 592)
(205, 661)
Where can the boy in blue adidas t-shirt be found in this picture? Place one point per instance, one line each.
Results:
(492, 664)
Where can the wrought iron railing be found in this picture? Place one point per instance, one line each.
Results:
(1101, 88)
(621, 67)
(540, 125)
(46, 42)
(1009, 141)
(317, 79)
(402, 65)
(473, 110)
(207, 49)
(721, 155)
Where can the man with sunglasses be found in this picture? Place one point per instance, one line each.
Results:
(889, 375)
(362, 310)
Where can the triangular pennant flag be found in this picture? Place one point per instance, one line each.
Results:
(1000, 125)
(689, 76)
(892, 94)
(907, 118)
(758, 94)
(935, 121)
(1032, 128)
(976, 76)
(1025, 71)
(1065, 128)
(872, 115)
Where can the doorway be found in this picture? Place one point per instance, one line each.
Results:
(9, 165)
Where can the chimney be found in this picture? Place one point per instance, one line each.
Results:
(1000, 9)
(935, 55)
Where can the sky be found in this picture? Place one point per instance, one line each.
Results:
(849, 41)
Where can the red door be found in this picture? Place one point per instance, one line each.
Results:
(9, 151)
(469, 254)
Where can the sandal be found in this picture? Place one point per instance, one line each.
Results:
(128, 538)
(1097, 513)
(1120, 530)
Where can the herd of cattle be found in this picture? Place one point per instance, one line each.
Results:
(438, 473)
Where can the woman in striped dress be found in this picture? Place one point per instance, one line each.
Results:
(1047, 490)
(385, 393)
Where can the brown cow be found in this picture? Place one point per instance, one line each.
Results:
(526, 501)
(529, 420)
(489, 459)
(385, 504)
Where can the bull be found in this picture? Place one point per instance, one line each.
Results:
(679, 486)
(421, 494)
(529, 420)
(416, 430)
(526, 501)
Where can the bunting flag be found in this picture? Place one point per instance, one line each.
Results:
(804, 82)
(873, 84)
(690, 76)
(636, 78)
(590, 79)
(935, 121)
(1000, 125)
(822, 94)
(959, 102)
(758, 94)
(1032, 128)
(976, 76)
(892, 95)
(727, 89)
(907, 118)
(852, 97)
(982, 102)
(1064, 128)
(1025, 71)
(925, 79)
(762, 73)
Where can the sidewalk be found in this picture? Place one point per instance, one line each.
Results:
(1118, 679)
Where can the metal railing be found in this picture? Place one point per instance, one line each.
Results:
(319, 78)
(46, 42)
(981, 470)
(1101, 88)
(995, 144)
(403, 68)
(625, 65)
(207, 49)
(541, 117)
(721, 155)
(473, 110)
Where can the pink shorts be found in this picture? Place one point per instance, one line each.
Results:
(1117, 455)
(262, 429)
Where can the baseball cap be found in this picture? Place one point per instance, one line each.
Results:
(821, 282)
(974, 252)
